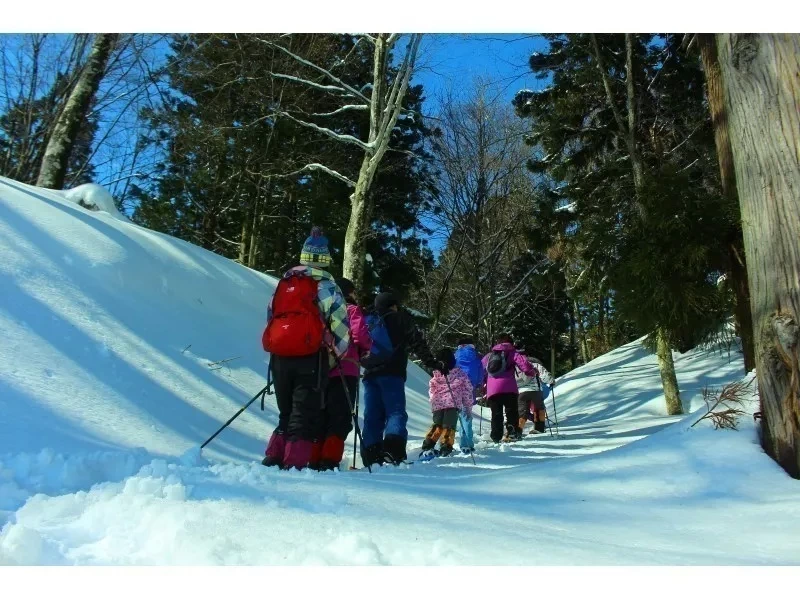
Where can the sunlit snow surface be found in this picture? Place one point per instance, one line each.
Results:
(108, 338)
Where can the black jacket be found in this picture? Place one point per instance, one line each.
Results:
(405, 337)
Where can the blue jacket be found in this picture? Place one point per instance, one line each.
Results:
(467, 359)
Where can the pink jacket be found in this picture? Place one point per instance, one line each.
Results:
(360, 343)
(506, 382)
(458, 395)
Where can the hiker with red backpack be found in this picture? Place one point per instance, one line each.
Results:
(393, 334)
(337, 417)
(501, 387)
(307, 328)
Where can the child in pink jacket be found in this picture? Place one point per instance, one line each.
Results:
(337, 419)
(450, 392)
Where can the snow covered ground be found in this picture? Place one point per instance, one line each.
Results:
(108, 338)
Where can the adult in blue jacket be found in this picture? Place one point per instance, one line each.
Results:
(385, 416)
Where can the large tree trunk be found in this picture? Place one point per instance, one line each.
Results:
(384, 111)
(737, 267)
(65, 131)
(761, 76)
(355, 240)
(668, 379)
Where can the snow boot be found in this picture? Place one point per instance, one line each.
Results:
(275, 450)
(332, 450)
(539, 427)
(432, 437)
(394, 448)
(372, 455)
(316, 454)
(297, 453)
(448, 440)
(511, 434)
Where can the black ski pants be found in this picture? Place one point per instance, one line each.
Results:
(300, 384)
(503, 402)
(336, 419)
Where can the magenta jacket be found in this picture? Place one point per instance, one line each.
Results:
(506, 382)
(360, 343)
(440, 394)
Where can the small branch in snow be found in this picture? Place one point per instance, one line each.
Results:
(731, 398)
(217, 365)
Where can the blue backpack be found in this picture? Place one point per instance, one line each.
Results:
(468, 360)
(382, 350)
(545, 389)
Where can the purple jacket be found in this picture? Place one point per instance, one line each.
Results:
(360, 343)
(506, 382)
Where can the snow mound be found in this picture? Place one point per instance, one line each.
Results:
(94, 197)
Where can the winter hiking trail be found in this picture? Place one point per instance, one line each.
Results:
(106, 394)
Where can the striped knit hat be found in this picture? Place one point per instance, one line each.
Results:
(315, 252)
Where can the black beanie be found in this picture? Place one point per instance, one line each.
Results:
(385, 300)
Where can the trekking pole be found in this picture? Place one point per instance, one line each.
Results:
(452, 396)
(555, 412)
(264, 391)
(355, 437)
(349, 403)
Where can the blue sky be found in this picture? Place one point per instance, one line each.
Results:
(456, 59)
(453, 61)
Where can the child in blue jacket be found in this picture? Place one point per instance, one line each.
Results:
(468, 359)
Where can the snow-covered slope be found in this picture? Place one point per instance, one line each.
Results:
(106, 335)
(108, 330)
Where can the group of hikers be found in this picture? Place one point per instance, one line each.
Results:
(319, 340)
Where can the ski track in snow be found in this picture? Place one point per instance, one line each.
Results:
(106, 394)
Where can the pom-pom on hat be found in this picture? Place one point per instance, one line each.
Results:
(315, 252)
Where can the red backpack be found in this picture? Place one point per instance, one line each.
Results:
(296, 328)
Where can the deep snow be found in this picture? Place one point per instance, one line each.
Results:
(106, 392)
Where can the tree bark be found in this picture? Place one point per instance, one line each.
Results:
(384, 111)
(355, 240)
(601, 325)
(582, 335)
(669, 381)
(761, 77)
(573, 349)
(62, 139)
(737, 268)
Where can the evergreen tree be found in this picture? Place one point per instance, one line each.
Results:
(623, 134)
(233, 177)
